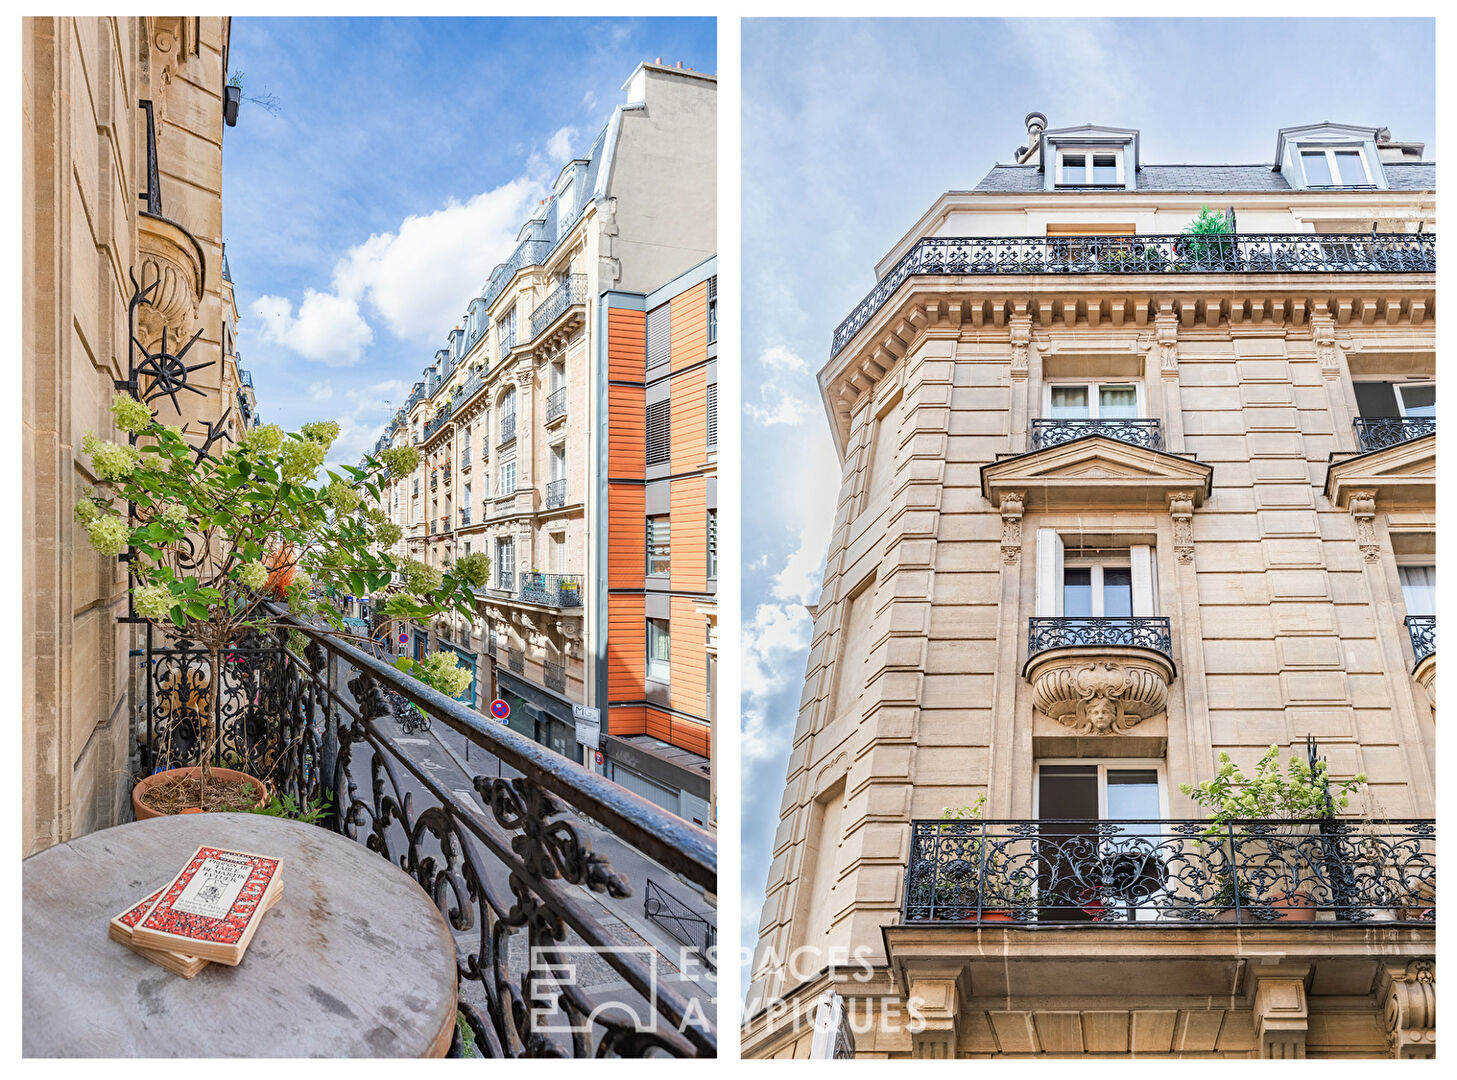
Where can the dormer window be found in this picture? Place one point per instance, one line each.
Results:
(1090, 168)
(1329, 166)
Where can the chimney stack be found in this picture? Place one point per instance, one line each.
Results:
(1032, 152)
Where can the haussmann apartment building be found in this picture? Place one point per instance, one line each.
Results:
(569, 431)
(1117, 499)
(124, 284)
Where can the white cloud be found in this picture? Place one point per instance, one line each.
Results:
(328, 328)
(778, 403)
(419, 279)
(321, 391)
(589, 99)
(819, 484)
(559, 146)
(422, 277)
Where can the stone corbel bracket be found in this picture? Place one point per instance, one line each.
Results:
(1100, 690)
(1012, 526)
(1181, 510)
(1410, 1009)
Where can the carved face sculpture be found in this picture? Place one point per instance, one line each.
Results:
(1101, 715)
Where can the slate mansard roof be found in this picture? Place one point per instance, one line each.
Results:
(1028, 179)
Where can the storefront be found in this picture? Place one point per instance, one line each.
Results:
(539, 714)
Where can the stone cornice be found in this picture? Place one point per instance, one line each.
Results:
(952, 306)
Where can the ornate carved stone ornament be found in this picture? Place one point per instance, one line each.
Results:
(1102, 697)
(1020, 329)
(1323, 333)
(1363, 509)
(1012, 526)
(1166, 334)
(1181, 510)
(1410, 1012)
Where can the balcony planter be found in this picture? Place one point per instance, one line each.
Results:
(149, 787)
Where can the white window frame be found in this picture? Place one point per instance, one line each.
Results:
(559, 459)
(658, 671)
(1103, 765)
(502, 489)
(1401, 399)
(649, 530)
(1087, 153)
(1093, 385)
(1331, 150)
(1051, 563)
(558, 552)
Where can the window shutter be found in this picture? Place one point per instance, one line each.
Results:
(658, 449)
(1049, 571)
(713, 415)
(1141, 561)
(659, 335)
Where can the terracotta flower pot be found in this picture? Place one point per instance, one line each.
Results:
(147, 783)
(1296, 907)
(997, 916)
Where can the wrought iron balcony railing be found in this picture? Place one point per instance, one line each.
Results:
(1055, 432)
(1139, 632)
(508, 339)
(516, 660)
(571, 290)
(465, 517)
(1379, 432)
(1423, 631)
(508, 429)
(527, 253)
(445, 475)
(558, 590)
(555, 676)
(505, 857)
(556, 403)
(1171, 873)
(438, 421)
(505, 581)
(1244, 253)
(556, 494)
(466, 391)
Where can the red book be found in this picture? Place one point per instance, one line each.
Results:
(213, 907)
(178, 963)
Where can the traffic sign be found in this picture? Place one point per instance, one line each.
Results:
(404, 639)
(500, 710)
(599, 757)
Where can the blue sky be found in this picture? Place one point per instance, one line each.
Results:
(363, 218)
(852, 128)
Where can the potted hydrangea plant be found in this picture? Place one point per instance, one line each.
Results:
(219, 541)
(1268, 818)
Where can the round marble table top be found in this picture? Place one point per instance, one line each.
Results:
(354, 960)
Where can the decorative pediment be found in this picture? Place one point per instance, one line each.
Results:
(1097, 472)
(1398, 477)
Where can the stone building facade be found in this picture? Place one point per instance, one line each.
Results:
(511, 415)
(1116, 500)
(122, 138)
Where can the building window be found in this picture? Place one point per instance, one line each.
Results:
(1093, 401)
(1376, 400)
(558, 553)
(713, 416)
(1091, 168)
(1330, 167)
(713, 543)
(659, 665)
(658, 546)
(713, 309)
(659, 422)
(1112, 791)
(1419, 589)
(1091, 582)
(505, 564)
(507, 483)
(559, 461)
(658, 332)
